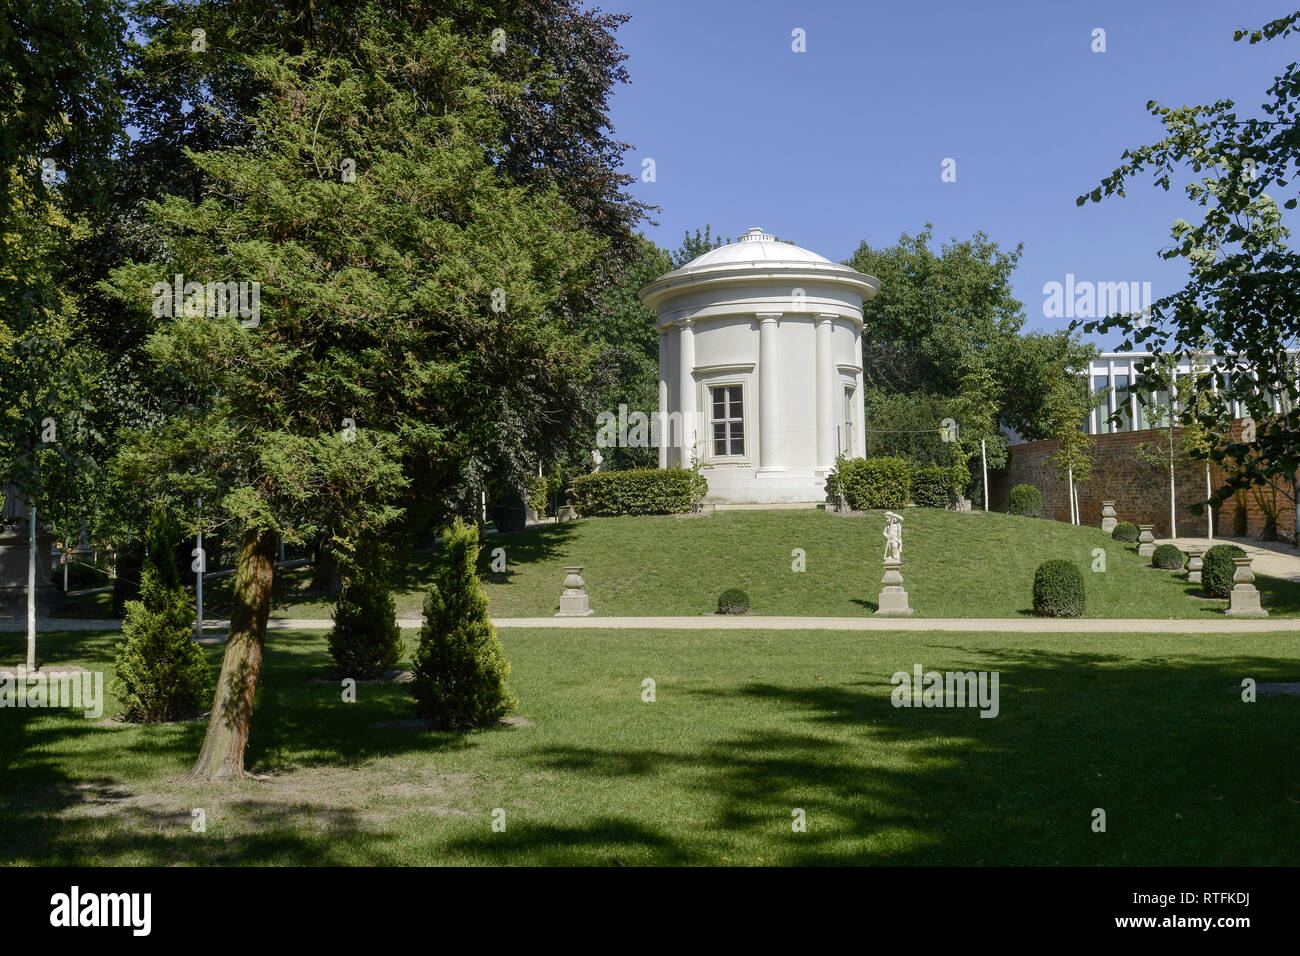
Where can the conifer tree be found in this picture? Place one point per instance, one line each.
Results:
(460, 667)
(161, 674)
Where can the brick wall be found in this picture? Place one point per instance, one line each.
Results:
(1140, 491)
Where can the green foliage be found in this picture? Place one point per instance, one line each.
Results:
(733, 601)
(161, 673)
(1218, 569)
(1168, 557)
(460, 667)
(1058, 589)
(933, 486)
(1068, 407)
(935, 311)
(365, 640)
(1240, 301)
(641, 491)
(884, 482)
(1125, 532)
(906, 426)
(1025, 500)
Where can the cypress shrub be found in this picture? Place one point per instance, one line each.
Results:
(733, 601)
(365, 640)
(1026, 500)
(867, 483)
(1125, 532)
(1168, 557)
(161, 673)
(1216, 575)
(460, 667)
(1058, 589)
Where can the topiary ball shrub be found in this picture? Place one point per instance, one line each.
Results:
(1026, 500)
(1168, 557)
(1058, 589)
(1125, 532)
(1216, 575)
(733, 601)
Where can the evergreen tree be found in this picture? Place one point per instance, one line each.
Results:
(365, 640)
(161, 674)
(460, 667)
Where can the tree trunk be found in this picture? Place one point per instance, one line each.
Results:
(1069, 476)
(1295, 496)
(1173, 528)
(222, 755)
(31, 587)
(1209, 509)
(984, 467)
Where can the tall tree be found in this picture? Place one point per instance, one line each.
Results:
(936, 312)
(408, 314)
(1242, 295)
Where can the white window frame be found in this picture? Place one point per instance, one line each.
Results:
(743, 420)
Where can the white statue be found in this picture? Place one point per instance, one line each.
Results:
(597, 459)
(893, 537)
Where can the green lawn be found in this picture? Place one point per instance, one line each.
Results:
(748, 726)
(955, 565)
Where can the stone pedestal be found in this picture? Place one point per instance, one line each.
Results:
(1108, 521)
(893, 596)
(1146, 540)
(13, 569)
(573, 600)
(566, 513)
(1244, 599)
(1195, 563)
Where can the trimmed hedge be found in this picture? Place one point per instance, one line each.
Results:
(1027, 501)
(733, 601)
(1125, 532)
(1168, 557)
(1218, 569)
(1058, 589)
(868, 483)
(640, 491)
(933, 486)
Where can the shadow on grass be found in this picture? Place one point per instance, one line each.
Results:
(1187, 772)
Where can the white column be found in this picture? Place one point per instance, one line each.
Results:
(826, 381)
(686, 389)
(663, 417)
(769, 395)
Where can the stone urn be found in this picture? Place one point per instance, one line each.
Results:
(1244, 599)
(574, 601)
(1108, 521)
(1195, 563)
(1146, 540)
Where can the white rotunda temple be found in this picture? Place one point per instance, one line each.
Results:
(760, 368)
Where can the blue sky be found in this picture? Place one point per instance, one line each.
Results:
(845, 141)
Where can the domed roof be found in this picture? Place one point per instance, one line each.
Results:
(755, 246)
(755, 255)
